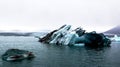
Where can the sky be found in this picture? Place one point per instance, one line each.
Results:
(36, 15)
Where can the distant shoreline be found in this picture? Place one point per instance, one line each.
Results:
(14, 34)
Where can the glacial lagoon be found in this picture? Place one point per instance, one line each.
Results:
(60, 56)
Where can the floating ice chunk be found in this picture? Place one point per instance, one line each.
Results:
(80, 44)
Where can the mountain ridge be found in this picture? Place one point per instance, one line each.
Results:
(113, 31)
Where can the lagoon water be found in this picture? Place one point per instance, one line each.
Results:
(60, 56)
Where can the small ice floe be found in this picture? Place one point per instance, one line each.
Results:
(17, 55)
(115, 38)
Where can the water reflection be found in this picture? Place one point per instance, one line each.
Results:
(24, 63)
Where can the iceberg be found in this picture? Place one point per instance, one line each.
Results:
(66, 36)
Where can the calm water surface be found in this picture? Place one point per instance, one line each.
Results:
(60, 56)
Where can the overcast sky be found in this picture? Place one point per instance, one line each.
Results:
(35, 15)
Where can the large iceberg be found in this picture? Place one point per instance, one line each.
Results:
(66, 36)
